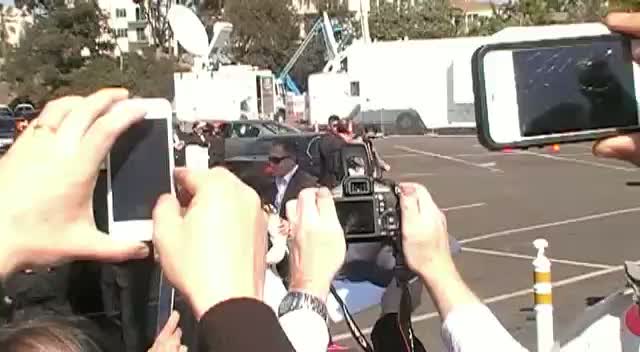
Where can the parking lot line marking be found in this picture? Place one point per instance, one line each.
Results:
(415, 174)
(399, 156)
(531, 257)
(550, 224)
(446, 157)
(465, 206)
(584, 162)
(504, 297)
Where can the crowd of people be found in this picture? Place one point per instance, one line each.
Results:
(210, 240)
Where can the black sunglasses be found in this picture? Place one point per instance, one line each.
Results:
(277, 160)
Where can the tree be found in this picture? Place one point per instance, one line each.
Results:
(403, 19)
(56, 45)
(66, 52)
(155, 13)
(624, 5)
(265, 32)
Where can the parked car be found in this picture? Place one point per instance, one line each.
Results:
(6, 112)
(7, 132)
(23, 110)
(239, 135)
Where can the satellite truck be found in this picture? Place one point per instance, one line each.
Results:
(216, 89)
(411, 86)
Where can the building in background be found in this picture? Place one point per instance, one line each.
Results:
(128, 24)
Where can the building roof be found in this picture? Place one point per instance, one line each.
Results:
(471, 5)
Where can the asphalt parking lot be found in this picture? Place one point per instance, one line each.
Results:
(497, 203)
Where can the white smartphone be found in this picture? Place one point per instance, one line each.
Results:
(556, 91)
(139, 170)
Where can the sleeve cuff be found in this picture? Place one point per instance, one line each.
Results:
(241, 324)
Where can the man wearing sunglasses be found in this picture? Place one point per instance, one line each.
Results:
(289, 179)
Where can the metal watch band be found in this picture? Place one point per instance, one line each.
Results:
(300, 300)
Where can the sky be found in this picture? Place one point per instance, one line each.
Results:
(6, 2)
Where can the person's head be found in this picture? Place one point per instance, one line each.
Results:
(343, 130)
(333, 123)
(282, 157)
(53, 334)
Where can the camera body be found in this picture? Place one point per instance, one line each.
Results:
(368, 209)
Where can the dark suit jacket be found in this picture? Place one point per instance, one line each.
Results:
(300, 180)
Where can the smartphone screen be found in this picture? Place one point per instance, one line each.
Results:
(575, 87)
(140, 170)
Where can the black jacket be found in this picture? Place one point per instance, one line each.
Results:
(300, 180)
(329, 148)
(243, 325)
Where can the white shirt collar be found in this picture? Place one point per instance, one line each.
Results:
(288, 176)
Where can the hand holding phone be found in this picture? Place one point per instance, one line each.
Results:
(555, 91)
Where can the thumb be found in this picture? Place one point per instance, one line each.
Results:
(167, 220)
(624, 147)
(95, 245)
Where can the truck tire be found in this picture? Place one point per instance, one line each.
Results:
(408, 123)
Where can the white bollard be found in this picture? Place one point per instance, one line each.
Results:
(543, 297)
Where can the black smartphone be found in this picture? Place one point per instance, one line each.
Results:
(544, 92)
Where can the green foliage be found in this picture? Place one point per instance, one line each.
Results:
(49, 61)
(266, 32)
(52, 49)
(400, 20)
(625, 5)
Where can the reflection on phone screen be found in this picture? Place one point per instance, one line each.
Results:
(578, 87)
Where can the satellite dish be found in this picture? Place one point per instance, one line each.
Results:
(189, 31)
(221, 36)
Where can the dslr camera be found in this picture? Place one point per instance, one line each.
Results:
(368, 207)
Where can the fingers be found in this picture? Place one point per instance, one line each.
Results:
(167, 220)
(74, 126)
(95, 245)
(628, 23)
(170, 327)
(101, 136)
(326, 206)
(409, 202)
(57, 110)
(291, 209)
(624, 147)
(193, 181)
(307, 206)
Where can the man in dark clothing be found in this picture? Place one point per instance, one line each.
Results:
(216, 143)
(329, 147)
(289, 179)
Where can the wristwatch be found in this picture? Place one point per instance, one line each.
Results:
(300, 300)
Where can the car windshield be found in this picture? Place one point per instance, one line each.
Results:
(5, 113)
(277, 128)
(7, 124)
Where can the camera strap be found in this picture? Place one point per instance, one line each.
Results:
(351, 323)
(404, 316)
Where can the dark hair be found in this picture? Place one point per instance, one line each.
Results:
(343, 126)
(333, 118)
(289, 147)
(54, 334)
